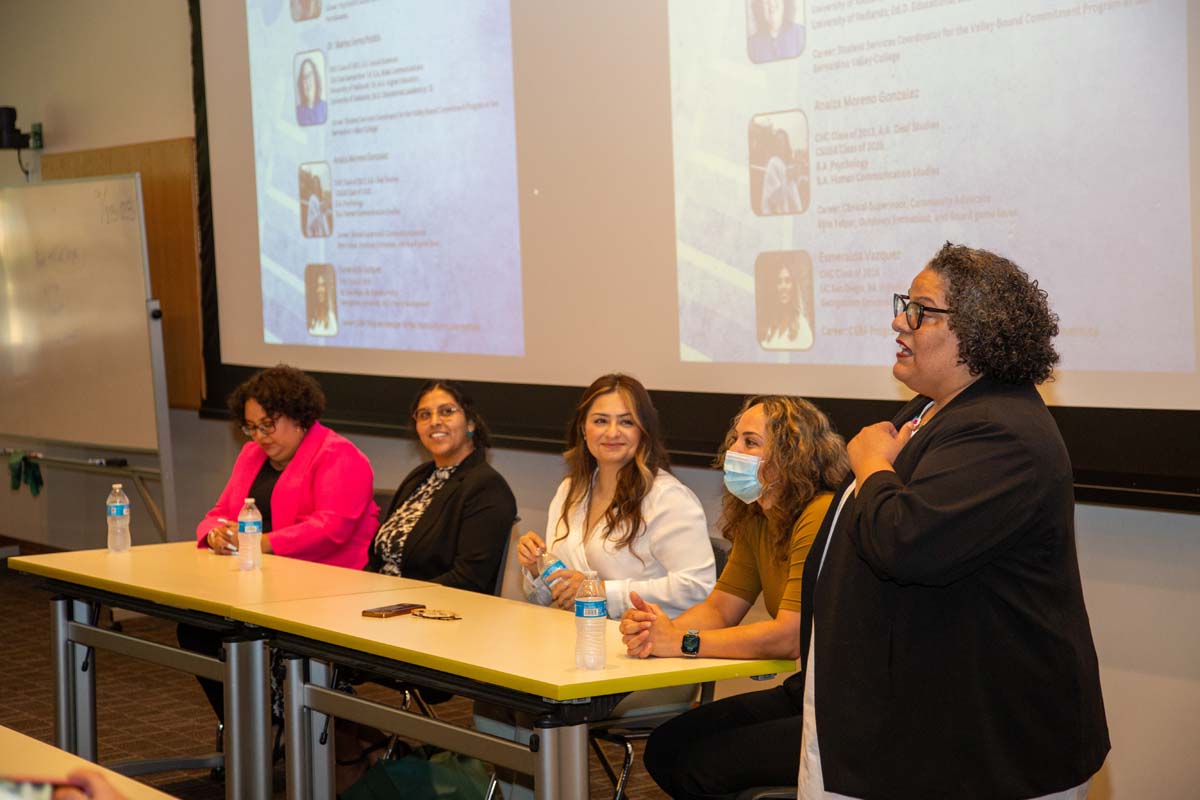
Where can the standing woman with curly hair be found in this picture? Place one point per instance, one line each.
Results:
(782, 462)
(947, 645)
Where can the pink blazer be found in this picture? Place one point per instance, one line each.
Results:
(323, 507)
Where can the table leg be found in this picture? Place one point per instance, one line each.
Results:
(320, 673)
(83, 688)
(562, 763)
(247, 720)
(295, 728)
(61, 650)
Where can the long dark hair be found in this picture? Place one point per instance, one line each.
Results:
(785, 317)
(623, 519)
(316, 73)
(482, 437)
(317, 311)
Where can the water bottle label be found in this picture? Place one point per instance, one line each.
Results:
(249, 526)
(555, 567)
(118, 510)
(591, 609)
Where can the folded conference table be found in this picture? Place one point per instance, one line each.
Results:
(508, 653)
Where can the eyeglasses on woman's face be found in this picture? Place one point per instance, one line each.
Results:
(445, 413)
(914, 313)
(266, 428)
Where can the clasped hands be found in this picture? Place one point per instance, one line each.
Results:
(563, 583)
(647, 631)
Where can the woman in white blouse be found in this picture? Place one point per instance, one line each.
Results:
(620, 511)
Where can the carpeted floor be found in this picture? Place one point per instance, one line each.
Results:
(147, 711)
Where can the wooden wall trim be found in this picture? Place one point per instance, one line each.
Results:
(168, 170)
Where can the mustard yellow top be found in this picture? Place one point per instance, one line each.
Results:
(754, 566)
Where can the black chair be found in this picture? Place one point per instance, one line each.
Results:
(768, 793)
(624, 731)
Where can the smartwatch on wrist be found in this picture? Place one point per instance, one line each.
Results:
(691, 643)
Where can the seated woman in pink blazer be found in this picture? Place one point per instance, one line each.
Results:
(314, 488)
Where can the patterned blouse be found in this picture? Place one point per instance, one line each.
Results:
(389, 542)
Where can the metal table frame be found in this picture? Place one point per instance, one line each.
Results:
(244, 672)
(556, 756)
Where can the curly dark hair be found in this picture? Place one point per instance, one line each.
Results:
(1002, 318)
(281, 391)
(803, 453)
(482, 438)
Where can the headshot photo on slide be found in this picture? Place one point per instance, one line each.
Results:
(320, 299)
(783, 296)
(779, 163)
(308, 68)
(305, 9)
(316, 200)
(774, 29)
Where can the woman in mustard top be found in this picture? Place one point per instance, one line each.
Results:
(782, 461)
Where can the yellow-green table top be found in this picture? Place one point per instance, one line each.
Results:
(508, 643)
(504, 642)
(22, 756)
(181, 575)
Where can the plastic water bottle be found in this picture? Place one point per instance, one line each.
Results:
(547, 563)
(591, 619)
(117, 512)
(249, 536)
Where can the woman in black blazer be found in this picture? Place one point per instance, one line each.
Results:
(450, 519)
(947, 645)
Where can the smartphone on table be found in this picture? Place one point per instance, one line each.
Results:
(393, 610)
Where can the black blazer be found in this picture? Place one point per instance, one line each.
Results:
(954, 657)
(460, 538)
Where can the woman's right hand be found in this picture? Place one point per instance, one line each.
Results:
(222, 539)
(89, 784)
(529, 548)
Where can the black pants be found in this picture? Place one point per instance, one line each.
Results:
(206, 642)
(722, 748)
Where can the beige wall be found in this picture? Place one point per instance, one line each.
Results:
(118, 72)
(95, 73)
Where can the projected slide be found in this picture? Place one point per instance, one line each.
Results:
(824, 150)
(385, 161)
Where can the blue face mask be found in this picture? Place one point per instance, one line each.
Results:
(741, 476)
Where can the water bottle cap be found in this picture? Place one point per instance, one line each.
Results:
(116, 486)
(591, 574)
(249, 499)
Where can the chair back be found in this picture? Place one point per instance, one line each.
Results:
(508, 582)
(720, 547)
(383, 499)
(502, 574)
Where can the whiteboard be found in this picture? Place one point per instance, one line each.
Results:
(80, 352)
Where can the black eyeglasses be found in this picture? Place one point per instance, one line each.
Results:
(914, 313)
(266, 428)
